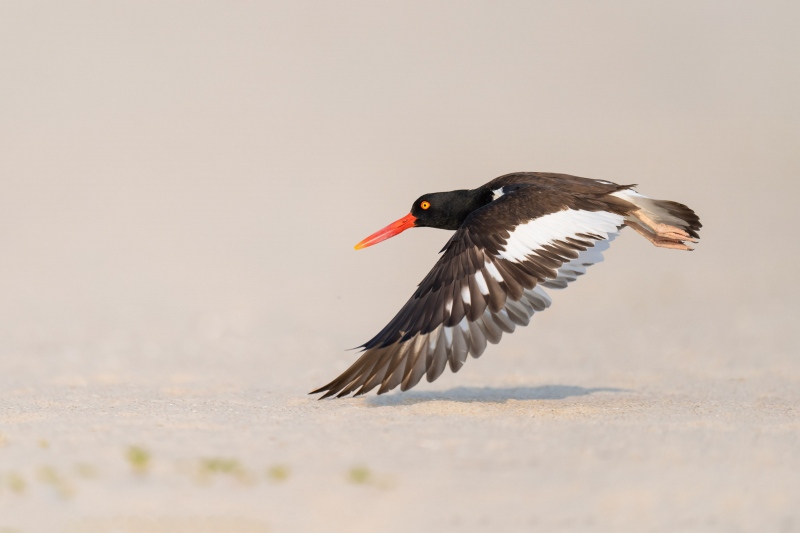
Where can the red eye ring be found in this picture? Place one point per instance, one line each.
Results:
(425, 205)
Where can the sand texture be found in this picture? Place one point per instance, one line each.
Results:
(181, 187)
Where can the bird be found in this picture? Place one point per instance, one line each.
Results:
(515, 237)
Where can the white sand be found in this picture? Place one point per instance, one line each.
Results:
(181, 189)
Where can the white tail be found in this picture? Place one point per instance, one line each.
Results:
(664, 223)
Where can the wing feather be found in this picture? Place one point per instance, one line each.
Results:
(488, 281)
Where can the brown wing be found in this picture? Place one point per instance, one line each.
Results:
(489, 280)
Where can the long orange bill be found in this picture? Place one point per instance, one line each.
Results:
(391, 230)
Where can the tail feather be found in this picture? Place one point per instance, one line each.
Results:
(673, 214)
(663, 222)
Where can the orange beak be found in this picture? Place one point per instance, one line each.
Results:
(391, 230)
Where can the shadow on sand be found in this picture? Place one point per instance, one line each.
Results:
(487, 394)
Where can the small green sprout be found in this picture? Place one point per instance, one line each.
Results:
(278, 473)
(360, 475)
(139, 459)
(212, 466)
(50, 476)
(16, 483)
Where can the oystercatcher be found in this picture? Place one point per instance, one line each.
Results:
(514, 237)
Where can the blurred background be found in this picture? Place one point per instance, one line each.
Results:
(181, 186)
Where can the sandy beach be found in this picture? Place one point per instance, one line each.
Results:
(183, 184)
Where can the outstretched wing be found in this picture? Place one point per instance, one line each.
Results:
(489, 280)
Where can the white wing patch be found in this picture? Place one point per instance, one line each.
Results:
(527, 238)
(481, 283)
(465, 294)
(497, 193)
(492, 270)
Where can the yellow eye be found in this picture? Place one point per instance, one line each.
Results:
(425, 205)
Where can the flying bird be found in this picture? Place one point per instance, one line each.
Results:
(514, 237)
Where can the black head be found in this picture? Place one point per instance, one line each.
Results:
(443, 210)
